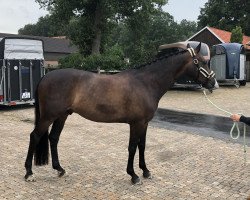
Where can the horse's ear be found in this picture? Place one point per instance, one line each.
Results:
(198, 48)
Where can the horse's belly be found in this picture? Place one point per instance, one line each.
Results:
(101, 117)
(103, 113)
(114, 111)
(111, 116)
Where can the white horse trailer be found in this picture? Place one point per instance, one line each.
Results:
(21, 68)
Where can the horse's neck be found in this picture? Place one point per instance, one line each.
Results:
(163, 73)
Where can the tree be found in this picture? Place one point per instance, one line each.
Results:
(46, 26)
(138, 44)
(186, 29)
(135, 27)
(237, 35)
(226, 15)
(93, 18)
(141, 44)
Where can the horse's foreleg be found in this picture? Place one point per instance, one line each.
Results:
(54, 138)
(133, 142)
(135, 130)
(141, 146)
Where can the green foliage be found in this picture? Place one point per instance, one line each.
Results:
(141, 45)
(111, 60)
(237, 35)
(226, 14)
(74, 60)
(80, 32)
(91, 20)
(134, 28)
(46, 26)
(185, 30)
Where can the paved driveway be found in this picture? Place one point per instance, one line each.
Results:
(183, 165)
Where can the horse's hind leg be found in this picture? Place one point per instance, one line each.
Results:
(141, 146)
(54, 138)
(39, 132)
(28, 163)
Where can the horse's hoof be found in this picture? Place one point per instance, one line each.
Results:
(30, 178)
(61, 173)
(136, 181)
(147, 175)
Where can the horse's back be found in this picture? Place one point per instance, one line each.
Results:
(65, 74)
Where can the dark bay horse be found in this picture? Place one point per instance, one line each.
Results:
(131, 96)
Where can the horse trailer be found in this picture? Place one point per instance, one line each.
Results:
(21, 68)
(228, 61)
(184, 81)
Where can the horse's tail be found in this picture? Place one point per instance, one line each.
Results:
(41, 154)
(37, 108)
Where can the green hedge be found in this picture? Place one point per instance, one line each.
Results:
(111, 60)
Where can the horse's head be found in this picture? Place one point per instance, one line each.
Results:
(199, 70)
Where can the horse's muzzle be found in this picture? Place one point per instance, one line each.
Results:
(216, 85)
(211, 85)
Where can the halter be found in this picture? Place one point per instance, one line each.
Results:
(201, 70)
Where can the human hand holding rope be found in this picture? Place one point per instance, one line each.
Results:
(235, 117)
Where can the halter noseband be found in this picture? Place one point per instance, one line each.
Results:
(201, 70)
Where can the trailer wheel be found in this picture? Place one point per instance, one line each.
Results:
(243, 83)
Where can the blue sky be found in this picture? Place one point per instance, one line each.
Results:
(184, 9)
(15, 14)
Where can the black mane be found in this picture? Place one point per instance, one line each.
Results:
(165, 56)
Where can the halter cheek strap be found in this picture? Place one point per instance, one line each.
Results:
(192, 52)
(203, 71)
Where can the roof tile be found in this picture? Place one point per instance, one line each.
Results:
(226, 36)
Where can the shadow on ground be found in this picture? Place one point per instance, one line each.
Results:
(202, 124)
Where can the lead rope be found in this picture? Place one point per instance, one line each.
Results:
(235, 126)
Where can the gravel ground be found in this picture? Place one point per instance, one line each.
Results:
(229, 98)
(183, 165)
